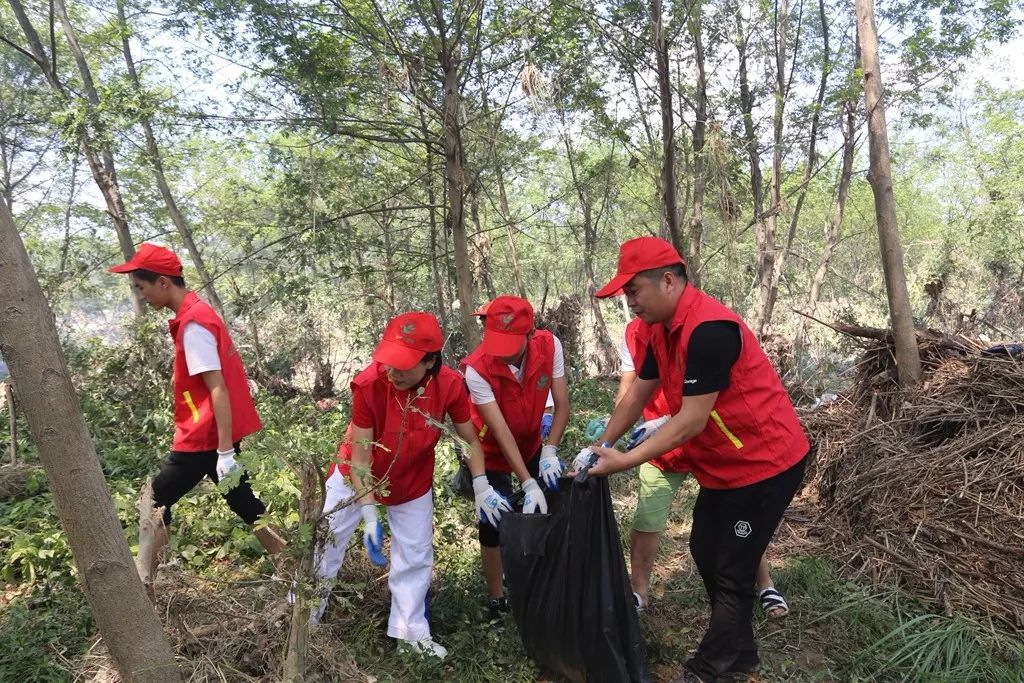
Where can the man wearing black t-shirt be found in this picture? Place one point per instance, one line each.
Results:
(744, 442)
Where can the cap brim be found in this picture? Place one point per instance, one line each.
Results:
(397, 356)
(123, 268)
(614, 286)
(502, 344)
(480, 313)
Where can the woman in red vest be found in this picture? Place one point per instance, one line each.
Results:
(660, 479)
(399, 403)
(509, 376)
(213, 409)
(744, 442)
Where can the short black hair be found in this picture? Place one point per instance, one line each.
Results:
(654, 274)
(151, 277)
(433, 356)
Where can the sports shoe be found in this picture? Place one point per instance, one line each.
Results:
(639, 602)
(423, 647)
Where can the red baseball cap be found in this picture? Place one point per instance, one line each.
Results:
(509, 319)
(407, 338)
(482, 311)
(636, 256)
(156, 259)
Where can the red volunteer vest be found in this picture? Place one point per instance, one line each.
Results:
(403, 452)
(522, 405)
(636, 343)
(195, 428)
(753, 432)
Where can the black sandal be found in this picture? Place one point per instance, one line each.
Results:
(773, 604)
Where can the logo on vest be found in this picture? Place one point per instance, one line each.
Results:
(543, 382)
(742, 529)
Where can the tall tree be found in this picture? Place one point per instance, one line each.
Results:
(156, 161)
(97, 153)
(908, 360)
(30, 345)
(669, 186)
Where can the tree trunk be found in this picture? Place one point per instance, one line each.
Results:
(700, 110)
(455, 178)
(669, 208)
(767, 235)
(908, 360)
(435, 261)
(835, 227)
(750, 142)
(499, 175)
(783, 253)
(28, 337)
(481, 245)
(156, 161)
(310, 505)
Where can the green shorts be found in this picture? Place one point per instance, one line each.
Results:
(657, 492)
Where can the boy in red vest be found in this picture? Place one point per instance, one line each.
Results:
(213, 409)
(660, 479)
(398, 405)
(744, 442)
(509, 376)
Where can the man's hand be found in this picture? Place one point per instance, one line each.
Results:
(226, 463)
(534, 500)
(646, 431)
(550, 467)
(609, 461)
(373, 535)
(489, 503)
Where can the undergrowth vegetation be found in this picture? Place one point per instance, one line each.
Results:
(837, 630)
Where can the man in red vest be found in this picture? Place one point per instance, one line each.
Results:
(213, 409)
(659, 480)
(744, 442)
(509, 376)
(399, 404)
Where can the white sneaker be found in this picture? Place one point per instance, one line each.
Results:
(423, 647)
(639, 602)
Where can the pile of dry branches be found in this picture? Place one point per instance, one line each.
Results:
(927, 488)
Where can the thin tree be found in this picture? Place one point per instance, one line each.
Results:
(28, 338)
(669, 200)
(908, 360)
(156, 162)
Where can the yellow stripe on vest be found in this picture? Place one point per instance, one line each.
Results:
(191, 406)
(483, 432)
(725, 430)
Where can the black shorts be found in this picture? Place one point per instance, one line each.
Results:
(181, 472)
(502, 483)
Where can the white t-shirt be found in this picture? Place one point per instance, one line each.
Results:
(480, 391)
(200, 349)
(625, 357)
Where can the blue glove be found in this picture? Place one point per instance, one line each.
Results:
(545, 425)
(595, 428)
(373, 535)
(646, 431)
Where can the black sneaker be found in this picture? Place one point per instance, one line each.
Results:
(497, 607)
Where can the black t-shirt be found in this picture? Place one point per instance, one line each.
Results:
(713, 350)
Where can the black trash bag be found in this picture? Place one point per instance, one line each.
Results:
(568, 587)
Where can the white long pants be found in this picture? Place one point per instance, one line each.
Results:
(412, 555)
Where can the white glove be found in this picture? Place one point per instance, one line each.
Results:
(226, 463)
(534, 500)
(550, 467)
(646, 431)
(489, 503)
(582, 460)
(371, 523)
